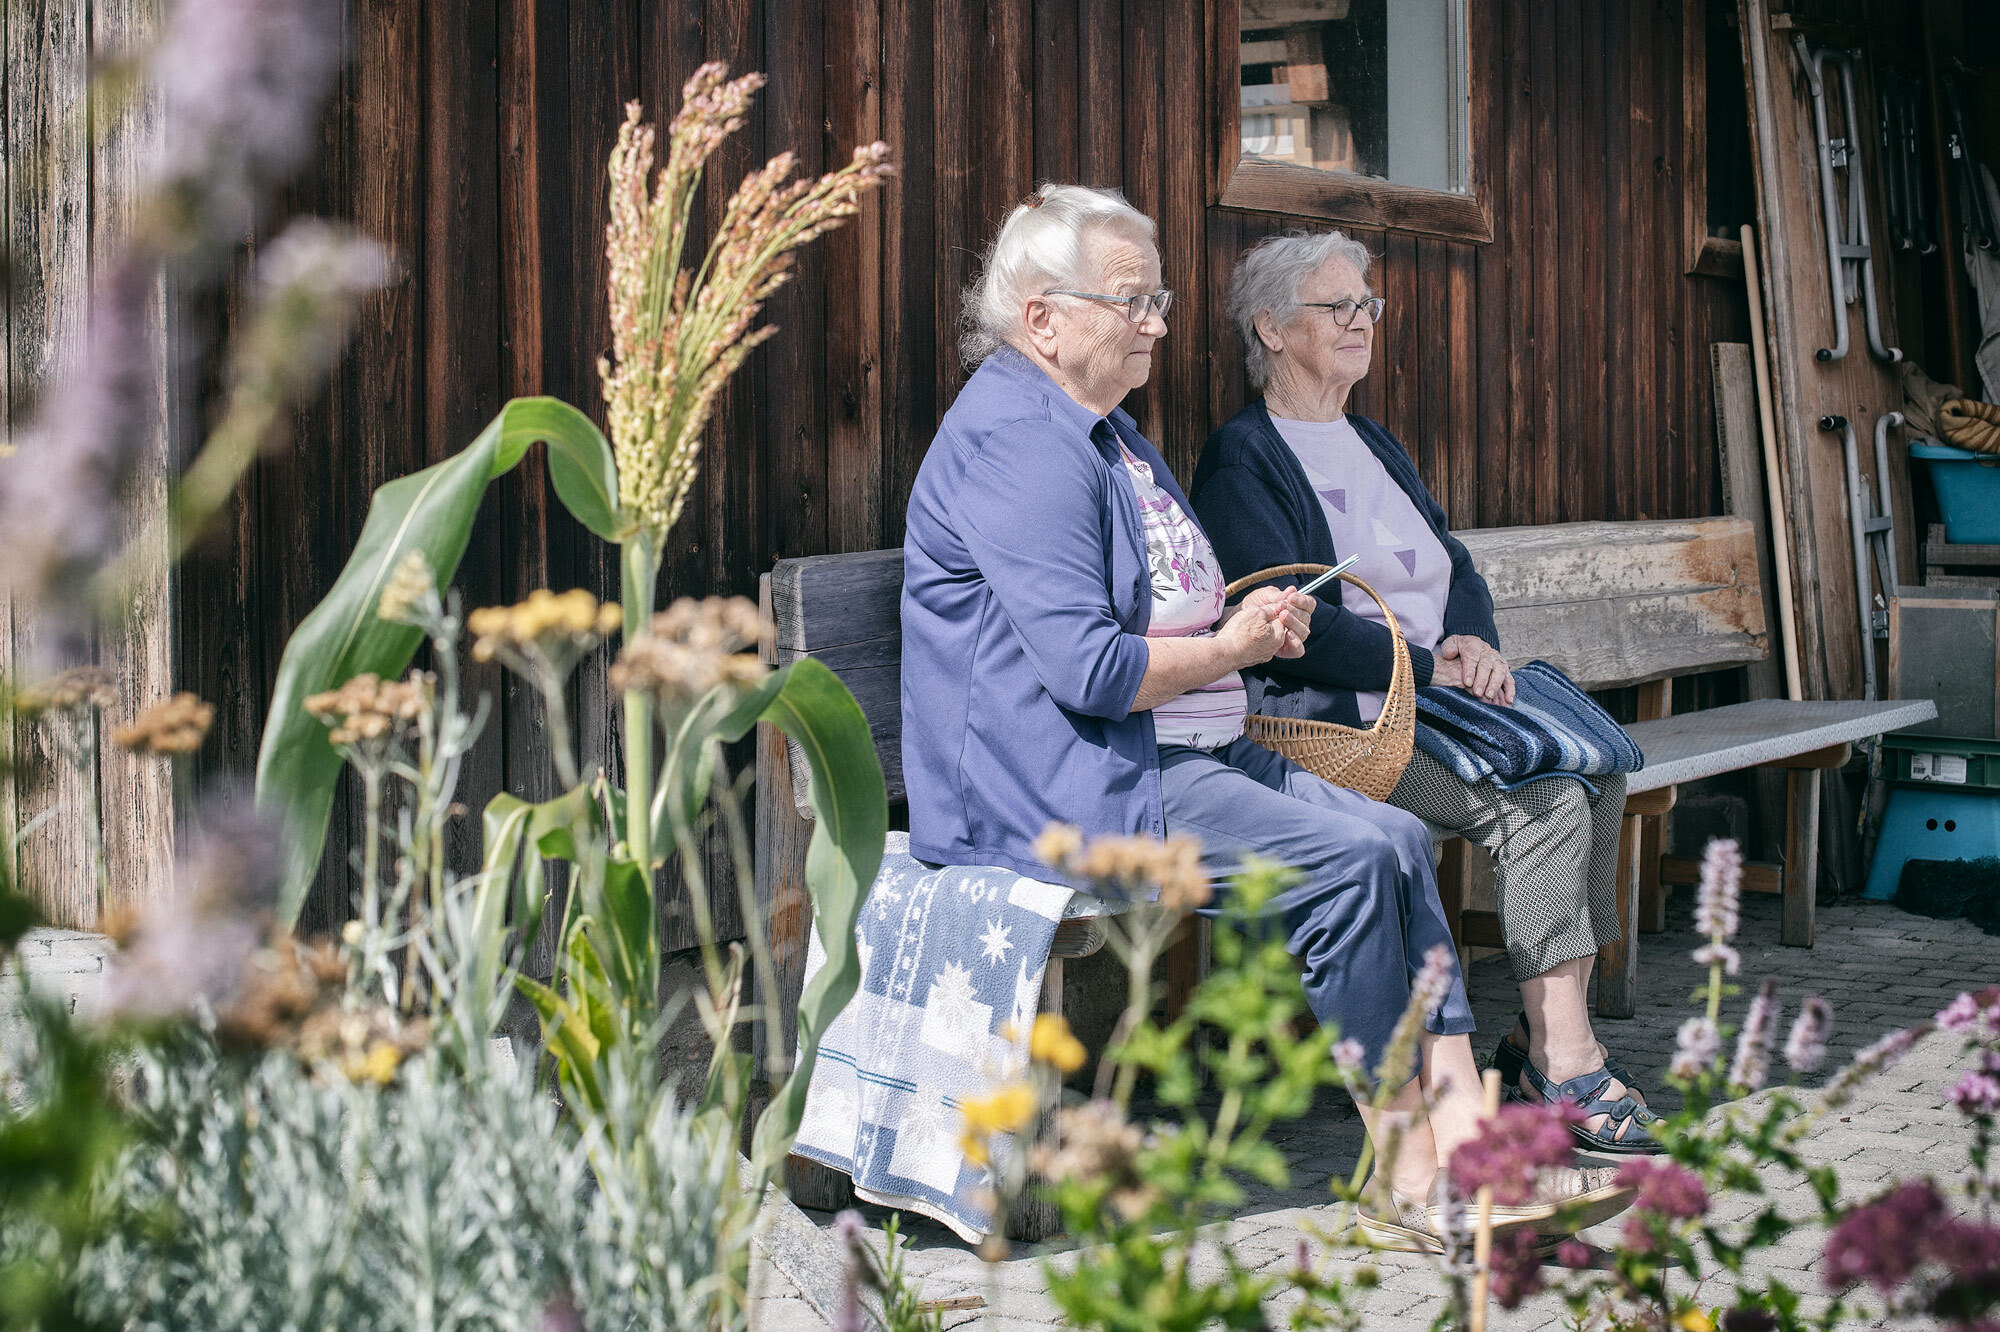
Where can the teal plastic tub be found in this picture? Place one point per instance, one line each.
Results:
(1932, 825)
(1968, 492)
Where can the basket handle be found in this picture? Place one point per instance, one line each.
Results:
(1401, 679)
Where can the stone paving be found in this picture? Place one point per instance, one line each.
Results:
(1879, 967)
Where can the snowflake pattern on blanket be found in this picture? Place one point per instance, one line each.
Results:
(951, 965)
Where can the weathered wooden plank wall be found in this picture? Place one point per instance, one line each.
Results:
(69, 187)
(1556, 373)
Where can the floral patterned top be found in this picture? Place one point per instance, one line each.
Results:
(1187, 601)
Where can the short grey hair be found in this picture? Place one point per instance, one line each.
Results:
(1040, 245)
(1270, 277)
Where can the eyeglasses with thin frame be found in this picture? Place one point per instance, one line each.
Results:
(1136, 307)
(1344, 311)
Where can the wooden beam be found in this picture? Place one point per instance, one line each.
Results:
(1758, 876)
(1482, 930)
(1618, 961)
(1833, 756)
(1801, 856)
(1645, 803)
(1656, 700)
(1452, 880)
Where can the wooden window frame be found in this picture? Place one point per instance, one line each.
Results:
(1712, 256)
(1338, 196)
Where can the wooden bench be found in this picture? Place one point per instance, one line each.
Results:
(1612, 604)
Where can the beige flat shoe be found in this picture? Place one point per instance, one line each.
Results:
(1570, 1199)
(1409, 1226)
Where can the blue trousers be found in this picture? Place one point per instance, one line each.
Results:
(1365, 908)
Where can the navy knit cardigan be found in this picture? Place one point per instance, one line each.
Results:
(1258, 509)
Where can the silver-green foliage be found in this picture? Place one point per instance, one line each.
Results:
(262, 1199)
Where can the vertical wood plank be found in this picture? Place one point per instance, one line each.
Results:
(1142, 82)
(909, 205)
(957, 237)
(1056, 85)
(1183, 257)
(1100, 105)
(48, 219)
(137, 790)
(1538, 461)
(853, 306)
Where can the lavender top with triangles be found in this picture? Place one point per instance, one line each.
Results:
(1370, 516)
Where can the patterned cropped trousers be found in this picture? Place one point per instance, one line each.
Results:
(1555, 849)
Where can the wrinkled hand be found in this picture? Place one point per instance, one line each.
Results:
(1476, 666)
(1270, 622)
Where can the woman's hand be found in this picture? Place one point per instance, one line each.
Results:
(1270, 622)
(1476, 666)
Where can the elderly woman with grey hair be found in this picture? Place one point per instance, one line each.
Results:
(1068, 658)
(1295, 478)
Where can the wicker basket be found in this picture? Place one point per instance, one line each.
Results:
(1368, 759)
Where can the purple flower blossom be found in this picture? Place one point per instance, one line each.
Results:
(1512, 1148)
(1574, 1254)
(1715, 908)
(1970, 1250)
(1882, 1055)
(1667, 1193)
(1752, 1064)
(849, 1231)
(1694, 1049)
(1805, 1048)
(1348, 1054)
(1710, 954)
(1516, 1268)
(1433, 982)
(1959, 1017)
(1882, 1242)
(1977, 1093)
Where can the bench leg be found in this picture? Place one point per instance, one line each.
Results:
(1452, 877)
(1652, 896)
(1034, 1219)
(1618, 963)
(1187, 964)
(1801, 855)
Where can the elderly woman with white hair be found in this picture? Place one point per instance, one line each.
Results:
(1067, 657)
(1296, 478)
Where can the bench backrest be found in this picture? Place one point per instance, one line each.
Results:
(1612, 604)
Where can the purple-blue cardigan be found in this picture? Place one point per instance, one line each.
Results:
(1026, 596)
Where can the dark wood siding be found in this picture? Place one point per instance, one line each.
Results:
(1555, 373)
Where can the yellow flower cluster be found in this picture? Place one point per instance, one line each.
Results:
(76, 689)
(548, 622)
(1006, 1109)
(1051, 1042)
(1128, 863)
(176, 726)
(366, 709)
(368, 1045)
(691, 648)
(410, 588)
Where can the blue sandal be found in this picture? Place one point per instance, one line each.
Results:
(1614, 1135)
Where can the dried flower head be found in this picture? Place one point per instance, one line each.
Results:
(693, 647)
(1752, 1064)
(1129, 866)
(410, 590)
(359, 1045)
(1094, 1143)
(546, 622)
(176, 726)
(675, 343)
(369, 714)
(1715, 908)
(1805, 1048)
(79, 689)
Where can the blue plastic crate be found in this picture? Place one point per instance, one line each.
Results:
(1968, 492)
(1932, 825)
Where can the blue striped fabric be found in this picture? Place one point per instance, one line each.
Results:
(1553, 729)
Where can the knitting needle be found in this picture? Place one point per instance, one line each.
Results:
(1335, 572)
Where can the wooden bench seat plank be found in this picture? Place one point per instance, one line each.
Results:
(1743, 735)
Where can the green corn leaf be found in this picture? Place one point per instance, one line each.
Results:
(567, 1034)
(851, 818)
(431, 511)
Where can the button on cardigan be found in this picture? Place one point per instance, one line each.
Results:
(1259, 510)
(1026, 596)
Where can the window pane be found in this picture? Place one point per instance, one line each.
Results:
(1375, 87)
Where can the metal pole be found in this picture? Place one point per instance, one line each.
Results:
(1857, 530)
(1829, 206)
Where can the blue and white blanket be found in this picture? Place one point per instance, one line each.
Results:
(951, 979)
(1554, 729)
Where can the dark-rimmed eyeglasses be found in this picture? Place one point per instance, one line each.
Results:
(1344, 311)
(1136, 307)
